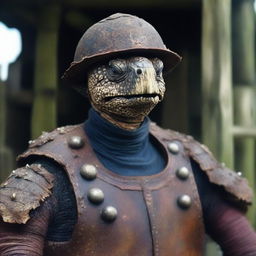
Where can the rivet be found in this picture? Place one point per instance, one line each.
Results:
(44, 133)
(184, 201)
(61, 130)
(109, 214)
(95, 195)
(223, 164)
(182, 173)
(88, 171)
(173, 147)
(13, 196)
(75, 142)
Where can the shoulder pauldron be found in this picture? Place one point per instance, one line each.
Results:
(236, 186)
(218, 173)
(24, 190)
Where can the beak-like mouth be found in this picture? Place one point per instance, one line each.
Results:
(134, 96)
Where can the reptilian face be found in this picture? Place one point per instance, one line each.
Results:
(127, 89)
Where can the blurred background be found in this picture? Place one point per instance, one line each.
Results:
(210, 95)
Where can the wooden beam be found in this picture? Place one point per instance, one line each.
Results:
(217, 106)
(104, 4)
(44, 113)
(244, 132)
(6, 156)
(245, 91)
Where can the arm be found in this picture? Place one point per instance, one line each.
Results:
(25, 208)
(26, 239)
(231, 230)
(224, 221)
(54, 220)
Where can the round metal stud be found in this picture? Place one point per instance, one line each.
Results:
(75, 142)
(173, 147)
(184, 201)
(95, 195)
(13, 196)
(88, 171)
(109, 213)
(182, 173)
(239, 174)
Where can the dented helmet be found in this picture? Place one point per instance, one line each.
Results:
(113, 37)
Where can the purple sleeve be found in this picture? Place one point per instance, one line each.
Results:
(224, 222)
(231, 230)
(25, 239)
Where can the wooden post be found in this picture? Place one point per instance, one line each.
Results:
(44, 113)
(217, 107)
(6, 156)
(217, 98)
(245, 89)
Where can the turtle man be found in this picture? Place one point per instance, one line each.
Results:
(118, 184)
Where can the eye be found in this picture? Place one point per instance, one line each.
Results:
(117, 70)
(117, 67)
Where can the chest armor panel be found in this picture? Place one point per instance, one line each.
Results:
(150, 218)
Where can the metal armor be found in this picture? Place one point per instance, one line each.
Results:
(152, 215)
(127, 215)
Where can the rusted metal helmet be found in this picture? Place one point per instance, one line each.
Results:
(117, 35)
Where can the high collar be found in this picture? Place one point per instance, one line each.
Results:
(114, 138)
(129, 153)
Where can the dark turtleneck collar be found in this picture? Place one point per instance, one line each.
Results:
(128, 153)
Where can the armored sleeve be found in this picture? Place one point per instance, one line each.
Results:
(24, 190)
(52, 221)
(25, 208)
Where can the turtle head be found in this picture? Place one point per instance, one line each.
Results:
(125, 90)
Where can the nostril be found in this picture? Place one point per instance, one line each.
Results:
(139, 71)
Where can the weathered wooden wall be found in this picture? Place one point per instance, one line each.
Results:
(217, 101)
(6, 157)
(244, 77)
(44, 115)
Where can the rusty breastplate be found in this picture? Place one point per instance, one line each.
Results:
(154, 213)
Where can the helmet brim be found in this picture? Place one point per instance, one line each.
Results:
(76, 74)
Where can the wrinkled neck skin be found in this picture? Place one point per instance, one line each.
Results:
(126, 125)
(124, 91)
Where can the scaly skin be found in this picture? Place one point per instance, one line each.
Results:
(124, 91)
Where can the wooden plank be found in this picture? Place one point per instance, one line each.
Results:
(243, 38)
(44, 114)
(6, 156)
(245, 90)
(217, 107)
(15, 6)
(243, 132)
